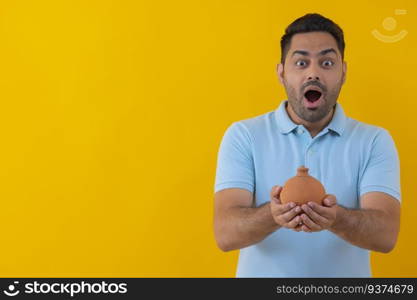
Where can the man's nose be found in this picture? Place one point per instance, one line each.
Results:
(313, 74)
(313, 77)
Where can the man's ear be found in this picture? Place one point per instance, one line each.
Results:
(344, 69)
(280, 72)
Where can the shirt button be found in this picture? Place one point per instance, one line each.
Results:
(300, 131)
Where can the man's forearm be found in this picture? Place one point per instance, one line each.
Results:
(365, 228)
(245, 226)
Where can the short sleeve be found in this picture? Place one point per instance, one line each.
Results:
(235, 167)
(382, 171)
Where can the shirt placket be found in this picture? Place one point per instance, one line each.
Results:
(310, 150)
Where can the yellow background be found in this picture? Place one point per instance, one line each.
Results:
(112, 113)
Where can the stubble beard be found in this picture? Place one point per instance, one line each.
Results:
(312, 115)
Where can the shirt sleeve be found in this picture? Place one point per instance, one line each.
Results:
(235, 167)
(382, 172)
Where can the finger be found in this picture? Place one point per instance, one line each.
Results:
(274, 194)
(293, 223)
(275, 190)
(280, 209)
(314, 216)
(320, 210)
(312, 226)
(298, 228)
(288, 216)
(281, 212)
(305, 228)
(330, 200)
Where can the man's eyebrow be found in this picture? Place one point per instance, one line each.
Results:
(322, 52)
(301, 52)
(330, 50)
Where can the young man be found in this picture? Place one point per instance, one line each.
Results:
(357, 163)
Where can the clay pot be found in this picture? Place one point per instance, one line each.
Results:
(302, 189)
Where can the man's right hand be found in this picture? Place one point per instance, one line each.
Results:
(285, 215)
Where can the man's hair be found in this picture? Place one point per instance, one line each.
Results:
(311, 23)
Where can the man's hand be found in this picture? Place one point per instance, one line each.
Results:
(319, 217)
(285, 215)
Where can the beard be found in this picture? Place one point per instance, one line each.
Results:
(296, 100)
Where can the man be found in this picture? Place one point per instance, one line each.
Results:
(357, 163)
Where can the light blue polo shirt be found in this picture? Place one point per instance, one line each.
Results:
(349, 157)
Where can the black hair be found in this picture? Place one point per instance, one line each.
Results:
(311, 23)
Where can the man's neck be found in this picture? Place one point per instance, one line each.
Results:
(313, 127)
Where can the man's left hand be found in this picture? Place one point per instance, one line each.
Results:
(318, 217)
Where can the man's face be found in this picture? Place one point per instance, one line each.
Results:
(313, 74)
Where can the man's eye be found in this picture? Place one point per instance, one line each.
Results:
(300, 63)
(327, 63)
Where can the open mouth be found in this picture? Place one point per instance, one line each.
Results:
(312, 95)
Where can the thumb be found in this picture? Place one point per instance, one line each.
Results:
(329, 200)
(275, 191)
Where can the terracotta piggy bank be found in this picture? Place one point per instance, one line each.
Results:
(302, 189)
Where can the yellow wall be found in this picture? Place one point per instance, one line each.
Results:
(112, 113)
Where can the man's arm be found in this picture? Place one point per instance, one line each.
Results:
(238, 224)
(375, 226)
